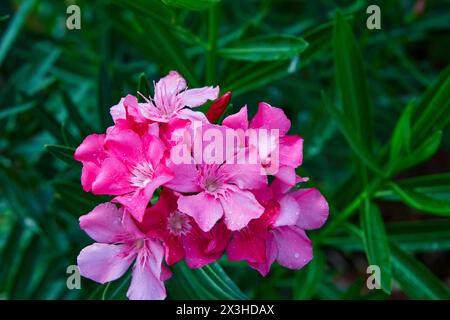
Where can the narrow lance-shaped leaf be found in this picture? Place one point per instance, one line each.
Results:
(14, 27)
(415, 279)
(433, 111)
(63, 153)
(196, 5)
(411, 236)
(422, 202)
(400, 141)
(266, 48)
(376, 243)
(351, 80)
(358, 147)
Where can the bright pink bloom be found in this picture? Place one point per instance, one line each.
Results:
(221, 190)
(119, 242)
(124, 164)
(180, 234)
(171, 97)
(290, 147)
(279, 233)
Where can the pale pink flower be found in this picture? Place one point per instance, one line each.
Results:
(172, 96)
(279, 233)
(119, 242)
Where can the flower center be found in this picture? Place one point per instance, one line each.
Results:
(178, 223)
(212, 184)
(142, 174)
(139, 243)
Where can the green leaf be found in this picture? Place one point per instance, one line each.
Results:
(433, 111)
(401, 137)
(14, 27)
(376, 242)
(422, 202)
(415, 279)
(265, 48)
(209, 282)
(63, 153)
(351, 80)
(357, 146)
(12, 111)
(432, 180)
(411, 236)
(418, 155)
(196, 5)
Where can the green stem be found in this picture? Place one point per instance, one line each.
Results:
(211, 55)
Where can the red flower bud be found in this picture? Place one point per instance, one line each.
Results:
(218, 107)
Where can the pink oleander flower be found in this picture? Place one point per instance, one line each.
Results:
(172, 96)
(180, 234)
(218, 190)
(279, 233)
(124, 164)
(119, 242)
(288, 147)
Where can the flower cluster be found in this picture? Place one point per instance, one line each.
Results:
(175, 196)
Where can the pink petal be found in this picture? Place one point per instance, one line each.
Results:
(313, 208)
(269, 117)
(185, 178)
(174, 250)
(247, 245)
(204, 208)
(145, 285)
(169, 86)
(203, 248)
(291, 151)
(104, 262)
(104, 223)
(88, 175)
(238, 120)
(125, 144)
(294, 247)
(147, 278)
(245, 176)
(287, 175)
(154, 148)
(196, 97)
(135, 203)
(118, 111)
(113, 178)
(132, 108)
(289, 211)
(239, 208)
(192, 115)
(91, 149)
(271, 254)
